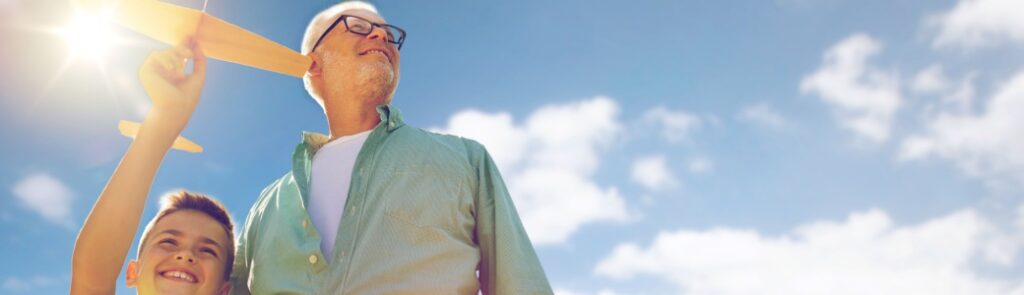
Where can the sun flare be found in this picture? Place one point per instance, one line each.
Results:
(89, 35)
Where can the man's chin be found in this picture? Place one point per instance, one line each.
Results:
(381, 68)
(377, 76)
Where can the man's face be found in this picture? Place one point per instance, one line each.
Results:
(185, 253)
(366, 65)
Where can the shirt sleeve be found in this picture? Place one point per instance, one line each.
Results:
(243, 255)
(508, 262)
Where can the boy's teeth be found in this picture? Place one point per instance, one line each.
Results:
(180, 275)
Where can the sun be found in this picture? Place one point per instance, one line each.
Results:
(89, 35)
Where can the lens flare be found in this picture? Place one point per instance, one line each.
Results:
(89, 35)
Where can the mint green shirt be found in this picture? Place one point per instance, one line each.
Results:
(425, 213)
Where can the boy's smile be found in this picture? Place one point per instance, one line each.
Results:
(185, 255)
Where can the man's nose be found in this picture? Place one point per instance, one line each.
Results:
(378, 33)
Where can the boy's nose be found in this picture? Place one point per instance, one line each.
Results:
(189, 258)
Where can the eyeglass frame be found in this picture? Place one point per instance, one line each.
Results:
(344, 18)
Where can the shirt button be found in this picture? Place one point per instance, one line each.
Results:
(392, 124)
(313, 259)
(305, 223)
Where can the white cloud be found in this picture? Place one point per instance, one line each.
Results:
(653, 173)
(701, 165)
(979, 23)
(505, 141)
(1020, 217)
(952, 96)
(961, 99)
(676, 126)
(549, 161)
(47, 196)
(930, 80)
(16, 284)
(865, 254)
(862, 96)
(28, 284)
(762, 114)
(987, 145)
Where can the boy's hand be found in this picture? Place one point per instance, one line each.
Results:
(175, 94)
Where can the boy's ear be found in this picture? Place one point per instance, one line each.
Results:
(226, 288)
(131, 276)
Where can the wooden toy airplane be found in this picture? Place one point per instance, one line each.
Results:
(221, 40)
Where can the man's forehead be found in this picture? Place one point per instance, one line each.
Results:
(366, 14)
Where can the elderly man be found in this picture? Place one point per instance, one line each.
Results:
(379, 207)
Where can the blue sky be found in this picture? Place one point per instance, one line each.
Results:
(652, 147)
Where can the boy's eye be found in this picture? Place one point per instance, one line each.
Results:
(171, 242)
(209, 251)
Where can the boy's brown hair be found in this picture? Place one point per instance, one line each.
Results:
(183, 200)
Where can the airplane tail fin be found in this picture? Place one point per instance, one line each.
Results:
(131, 129)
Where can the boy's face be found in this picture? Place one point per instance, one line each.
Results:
(185, 253)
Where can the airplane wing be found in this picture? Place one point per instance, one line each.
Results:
(221, 40)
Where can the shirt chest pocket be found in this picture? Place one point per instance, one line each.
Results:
(423, 199)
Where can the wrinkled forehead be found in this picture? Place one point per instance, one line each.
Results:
(365, 14)
(316, 28)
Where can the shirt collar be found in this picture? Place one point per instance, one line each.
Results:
(302, 159)
(391, 115)
(390, 120)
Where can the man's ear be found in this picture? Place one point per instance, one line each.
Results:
(226, 288)
(315, 69)
(131, 276)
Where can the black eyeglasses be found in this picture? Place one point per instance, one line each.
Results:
(363, 27)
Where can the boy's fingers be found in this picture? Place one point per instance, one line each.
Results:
(161, 59)
(151, 82)
(182, 51)
(152, 62)
(167, 65)
(174, 68)
(199, 62)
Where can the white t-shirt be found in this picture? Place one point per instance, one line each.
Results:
(330, 179)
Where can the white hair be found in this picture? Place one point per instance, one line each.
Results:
(322, 20)
(319, 24)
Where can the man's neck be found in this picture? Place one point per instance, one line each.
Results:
(351, 119)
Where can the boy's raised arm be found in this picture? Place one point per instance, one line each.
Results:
(107, 234)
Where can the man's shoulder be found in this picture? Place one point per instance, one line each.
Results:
(273, 191)
(436, 147)
(436, 139)
(276, 185)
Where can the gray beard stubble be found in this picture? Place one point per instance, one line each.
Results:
(372, 80)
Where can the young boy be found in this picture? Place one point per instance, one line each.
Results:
(188, 247)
